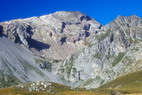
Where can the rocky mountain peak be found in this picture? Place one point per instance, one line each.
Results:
(68, 16)
(126, 22)
(128, 19)
(63, 31)
(70, 48)
(133, 17)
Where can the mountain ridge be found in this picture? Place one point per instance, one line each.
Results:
(77, 12)
(75, 49)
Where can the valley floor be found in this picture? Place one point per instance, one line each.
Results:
(14, 91)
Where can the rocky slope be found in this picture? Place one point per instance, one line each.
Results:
(17, 65)
(31, 48)
(70, 48)
(113, 52)
(51, 35)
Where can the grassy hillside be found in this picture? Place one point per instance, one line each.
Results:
(130, 83)
(47, 88)
(12, 91)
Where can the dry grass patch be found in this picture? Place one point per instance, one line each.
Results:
(81, 93)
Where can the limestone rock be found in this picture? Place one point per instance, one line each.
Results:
(70, 48)
(60, 30)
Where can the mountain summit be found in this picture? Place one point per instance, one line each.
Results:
(69, 48)
(51, 35)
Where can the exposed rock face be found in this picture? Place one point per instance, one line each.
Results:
(17, 65)
(71, 48)
(113, 52)
(56, 33)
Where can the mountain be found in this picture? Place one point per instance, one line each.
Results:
(69, 48)
(51, 35)
(114, 52)
(31, 48)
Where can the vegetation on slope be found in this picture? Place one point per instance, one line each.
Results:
(7, 80)
(50, 89)
(130, 83)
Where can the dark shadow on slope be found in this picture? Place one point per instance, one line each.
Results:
(17, 39)
(87, 34)
(29, 30)
(111, 38)
(45, 65)
(63, 27)
(87, 18)
(1, 30)
(37, 45)
(63, 40)
(87, 26)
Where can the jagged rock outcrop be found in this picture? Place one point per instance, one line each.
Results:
(71, 48)
(55, 33)
(113, 52)
(39, 43)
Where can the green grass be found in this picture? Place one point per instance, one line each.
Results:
(130, 83)
(106, 34)
(57, 89)
(97, 55)
(118, 58)
(137, 41)
(69, 64)
(7, 80)
(135, 49)
(13, 91)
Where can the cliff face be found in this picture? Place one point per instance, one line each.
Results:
(70, 48)
(51, 35)
(113, 52)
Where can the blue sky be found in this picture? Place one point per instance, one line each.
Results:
(103, 11)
